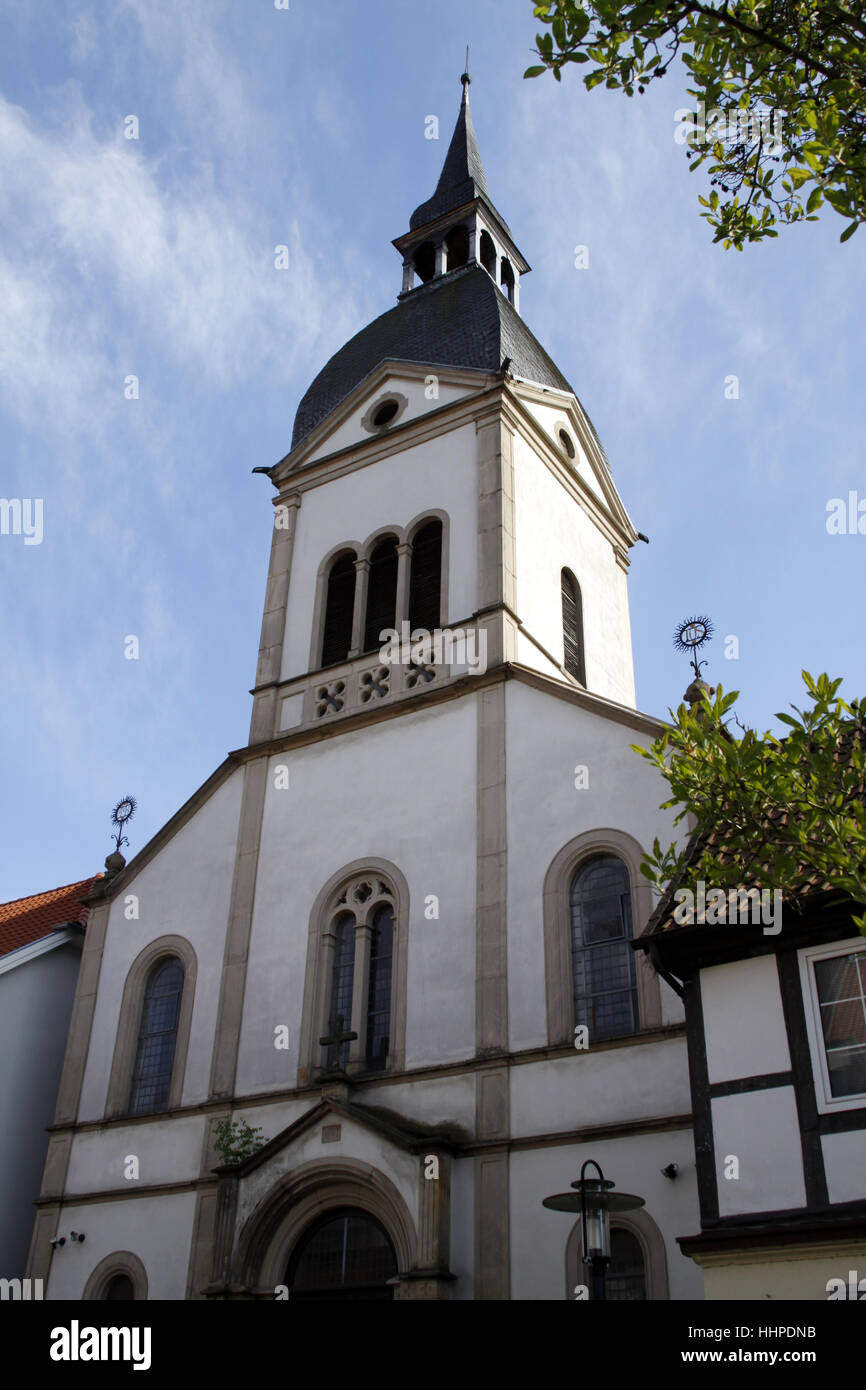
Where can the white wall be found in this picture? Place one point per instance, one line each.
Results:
(539, 1236)
(553, 532)
(351, 431)
(440, 474)
(610, 1086)
(547, 738)
(184, 890)
(35, 1005)
(403, 791)
(761, 1130)
(156, 1229)
(744, 1024)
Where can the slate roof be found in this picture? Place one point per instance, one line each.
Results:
(717, 837)
(456, 320)
(462, 177)
(29, 919)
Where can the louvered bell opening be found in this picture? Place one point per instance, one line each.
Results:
(381, 593)
(572, 628)
(339, 608)
(425, 578)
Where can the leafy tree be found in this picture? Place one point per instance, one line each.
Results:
(780, 87)
(792, 809)
(235, 1140)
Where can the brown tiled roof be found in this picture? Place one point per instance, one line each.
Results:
(715, 839)
(29, 919)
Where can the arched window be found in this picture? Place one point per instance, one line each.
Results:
(487, 253)
(381, 593)
(603, 964)
(506, 278)
(157, 1036)
(339, 608)
(457, 247)
(118, 1289)
(346, 1254)
(424, 261)
(425, 577)
(572, 628)
(362, 932)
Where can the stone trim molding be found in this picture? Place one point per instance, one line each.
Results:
(651, 1241)
(237, 939)
(317, 979)
(557, 930)
(269, 1235)
(121, 1262)
(129, 1021)
(268, 669)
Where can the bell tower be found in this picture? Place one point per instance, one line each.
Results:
(442, 450)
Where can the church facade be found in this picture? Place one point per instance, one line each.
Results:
(393, 932)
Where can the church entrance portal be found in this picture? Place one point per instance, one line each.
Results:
(344, 1254)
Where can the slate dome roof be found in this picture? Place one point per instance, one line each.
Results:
(456, 320)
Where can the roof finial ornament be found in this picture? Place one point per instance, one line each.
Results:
(465, 78)
(689, 637)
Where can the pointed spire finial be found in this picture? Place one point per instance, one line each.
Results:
(465, 78)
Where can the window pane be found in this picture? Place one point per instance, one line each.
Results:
(151, 1078)
(841, 985)
(340, 1018)
(379, 993)
(604, 974)
(626, 1278)
(345, 1255)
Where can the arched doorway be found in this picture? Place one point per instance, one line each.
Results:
(345, 1254)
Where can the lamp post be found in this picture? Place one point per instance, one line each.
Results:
(595, 1200)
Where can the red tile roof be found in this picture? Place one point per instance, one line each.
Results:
(29, 919)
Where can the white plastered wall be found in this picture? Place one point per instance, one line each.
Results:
(547, 739)
(553, 532)
(402, 791)
(440, 474)
(184, 890)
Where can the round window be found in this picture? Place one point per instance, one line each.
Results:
(565, 441)
(385, 413)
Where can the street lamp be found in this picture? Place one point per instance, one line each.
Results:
(595, 1200)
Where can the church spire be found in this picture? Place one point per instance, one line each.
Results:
(460, 226)
(462, 176)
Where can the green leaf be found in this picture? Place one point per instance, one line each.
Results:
(849, 231)
(534, 72)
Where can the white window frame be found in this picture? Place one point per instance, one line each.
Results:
(827, 1103)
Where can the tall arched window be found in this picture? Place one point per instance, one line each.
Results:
(339, 608)
(424, 261)
(346, 1254)
(362, 933)
(603, 964)
(157, 1037)
(572, 628)
(381, 593)
(425, 577)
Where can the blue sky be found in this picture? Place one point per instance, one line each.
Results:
(154, 257)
